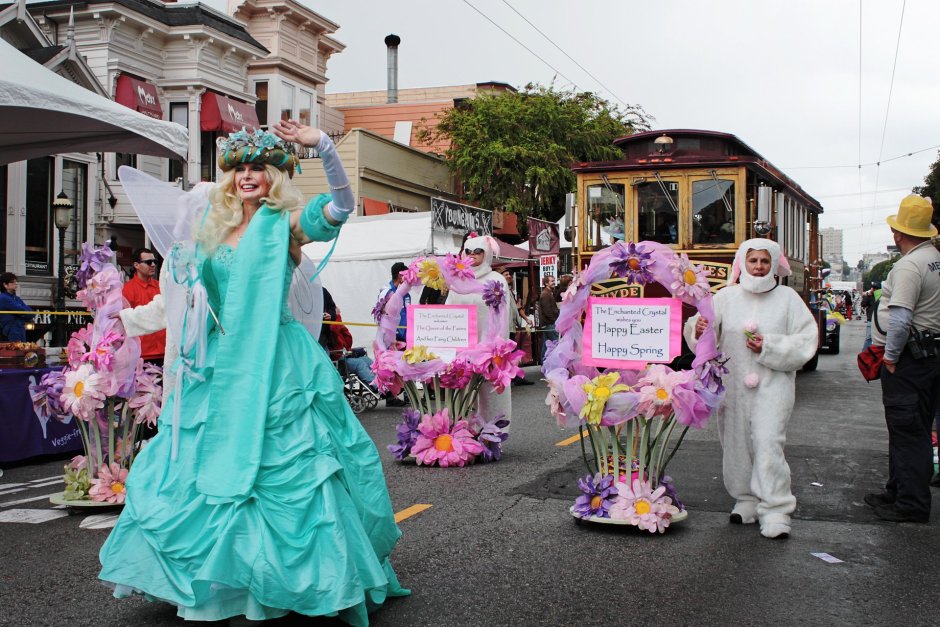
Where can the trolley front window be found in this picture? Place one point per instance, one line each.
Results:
(713, 211)
(658, 211)
(604, 215)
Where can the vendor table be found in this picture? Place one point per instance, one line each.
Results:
(21, 434)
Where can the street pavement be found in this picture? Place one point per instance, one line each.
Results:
(498, 547)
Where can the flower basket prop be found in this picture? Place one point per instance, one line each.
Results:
(443, 426)
(628, 417)
(106, 388)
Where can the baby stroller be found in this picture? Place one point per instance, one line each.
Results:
(359, 394)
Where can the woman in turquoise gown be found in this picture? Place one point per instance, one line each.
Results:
(274, 499)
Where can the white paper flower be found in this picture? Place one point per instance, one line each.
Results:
(83, 392)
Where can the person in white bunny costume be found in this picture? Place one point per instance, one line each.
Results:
(481, 250)
(767, 333)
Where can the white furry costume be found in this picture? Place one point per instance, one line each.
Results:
(752, 421)
(491, 403)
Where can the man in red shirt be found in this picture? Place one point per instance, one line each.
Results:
(140, 290)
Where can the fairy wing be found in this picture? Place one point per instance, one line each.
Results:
(306, 296)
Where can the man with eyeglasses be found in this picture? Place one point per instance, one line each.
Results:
(140, 290)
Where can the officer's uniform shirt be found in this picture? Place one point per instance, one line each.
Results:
(913, 283)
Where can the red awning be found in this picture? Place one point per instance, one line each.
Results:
(139, 96)
(221, 113)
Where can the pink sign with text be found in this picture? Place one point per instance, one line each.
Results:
(631, 332)
(444, 327)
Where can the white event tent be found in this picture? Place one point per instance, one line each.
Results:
(42, 113)
(361, 263)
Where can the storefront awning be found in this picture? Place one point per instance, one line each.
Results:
(139, 96)
(221, 113)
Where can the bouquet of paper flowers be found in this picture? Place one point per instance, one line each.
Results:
(628, 418)
(106, 387)
(444, 427)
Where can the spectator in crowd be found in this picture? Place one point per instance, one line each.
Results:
(907, 323)
(140, 290)
(357, 361)
(12, 325)
(397, 268)
(548, 311)
(518, 323)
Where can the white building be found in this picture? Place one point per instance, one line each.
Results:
(831, 244)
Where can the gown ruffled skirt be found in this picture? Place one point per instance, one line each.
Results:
(314, 534)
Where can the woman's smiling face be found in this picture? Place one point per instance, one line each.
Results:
(251, 183)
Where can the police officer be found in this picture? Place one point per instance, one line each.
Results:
(906, 322)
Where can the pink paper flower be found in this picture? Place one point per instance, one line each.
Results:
(750, 326)
(148, 397)
(689, 282)
(459, 267)
(752, 380)
(385, 369)
(641, 506)
(101, 286)
(83, 392)
(78, 462)
(457, 375)
(77, 348)
(109, 486)
(103, 354)
(438, 443)
(656, 390)
(498, 362)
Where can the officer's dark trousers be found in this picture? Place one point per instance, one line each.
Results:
(910, 399)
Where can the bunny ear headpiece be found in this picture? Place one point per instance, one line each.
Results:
(490, 252)
(778, 266)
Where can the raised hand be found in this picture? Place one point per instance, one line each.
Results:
(294, 131)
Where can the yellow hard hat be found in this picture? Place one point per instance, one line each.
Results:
(913, 217)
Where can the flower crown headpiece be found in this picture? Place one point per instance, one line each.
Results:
(256, 147)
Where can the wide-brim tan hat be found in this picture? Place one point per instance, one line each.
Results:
(913, 217)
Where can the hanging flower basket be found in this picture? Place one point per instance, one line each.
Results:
(106, 388)
(628, 416)
(443, 426)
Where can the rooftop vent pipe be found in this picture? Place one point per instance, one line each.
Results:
(392, 42)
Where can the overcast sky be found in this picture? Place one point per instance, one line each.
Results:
(788, 77)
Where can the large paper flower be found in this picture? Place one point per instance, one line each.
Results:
(498, 362)
(109, 486)
(459, 267)
(83, 392)
(457, 375)
(631, 262)
(438, 443)
(92, 260)
(417, 354)
(598, 496)
(656, 390)
(599, 390)
(430, 274)
(407, 431)
(491, 435)
(689, 282)
(77, 348)
(148, 397)
(386, 373)
(103, 354)
(690, 407)
(101, 286)
(641, 506)
(47, 397)
(494, 295)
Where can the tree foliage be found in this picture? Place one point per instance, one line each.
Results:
(931, 188)
(879, 272)
(513, 150)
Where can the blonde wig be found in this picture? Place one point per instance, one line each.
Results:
(226, 207)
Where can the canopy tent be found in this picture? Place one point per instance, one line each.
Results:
(361, 263)
(42, 113)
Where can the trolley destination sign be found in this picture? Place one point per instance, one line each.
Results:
(459, 219)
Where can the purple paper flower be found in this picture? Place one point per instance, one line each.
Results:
(494, 295)
(379, 308)
(46, 397)
(631, 262)
(688, 403)
(492, 436)
(599, 493)
(666, 482)
(407, 432)
(92, 260)
(147, 401)
(711, 372)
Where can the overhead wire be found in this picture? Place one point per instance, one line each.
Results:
(570, 58)
(860, 165)
(530, 51)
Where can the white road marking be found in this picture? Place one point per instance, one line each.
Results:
(99, 521)
(31, 516)
(29, 500)
(59, 477)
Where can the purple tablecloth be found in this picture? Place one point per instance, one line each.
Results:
(21, 435)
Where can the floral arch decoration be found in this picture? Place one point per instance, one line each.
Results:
(442, 426)
(629, 416)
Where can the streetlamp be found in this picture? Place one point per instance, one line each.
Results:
(62, 210)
